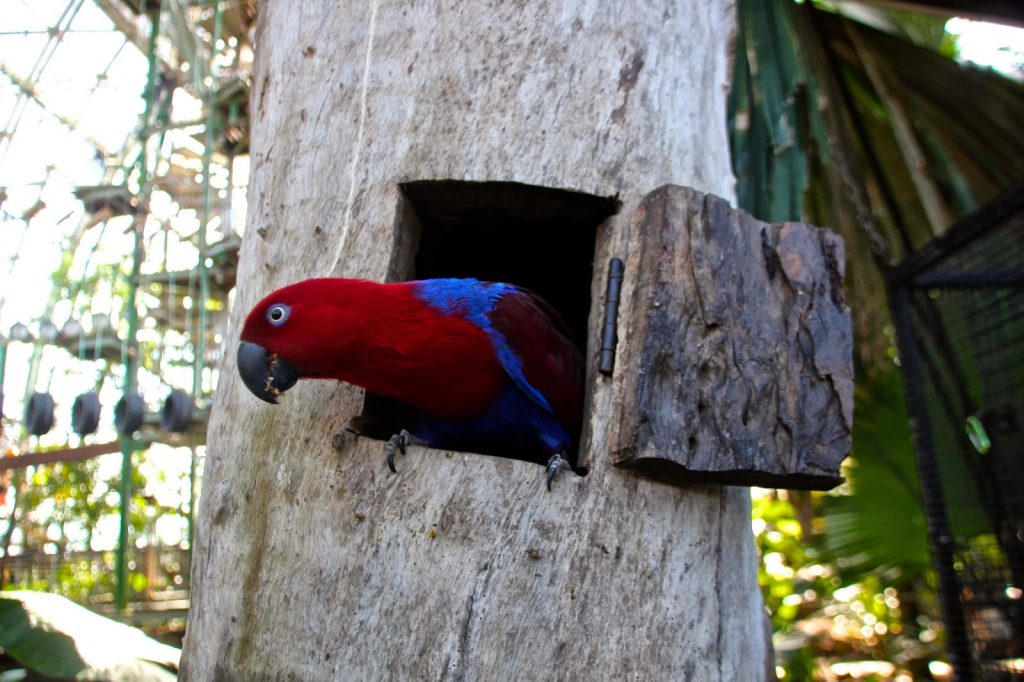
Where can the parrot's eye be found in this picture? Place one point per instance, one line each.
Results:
(277, 314)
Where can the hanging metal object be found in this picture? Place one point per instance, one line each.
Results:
(101, 323)
(609, 330)
(20, 332)
(176, 415)
(129, 413)
(71, 331)
(39, 414)
(85, 414)
(48, 331)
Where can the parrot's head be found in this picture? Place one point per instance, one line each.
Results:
(292, 334)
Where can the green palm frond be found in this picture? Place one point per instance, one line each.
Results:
(880, 526)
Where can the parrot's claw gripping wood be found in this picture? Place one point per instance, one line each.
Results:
(398, 441)
(556, 465)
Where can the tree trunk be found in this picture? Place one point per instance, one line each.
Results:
(317, 563)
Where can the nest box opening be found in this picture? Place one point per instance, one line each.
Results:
(539, 238)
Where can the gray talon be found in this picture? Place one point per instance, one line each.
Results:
(399, 441)
(556, 465)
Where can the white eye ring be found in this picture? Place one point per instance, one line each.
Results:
(278, 313)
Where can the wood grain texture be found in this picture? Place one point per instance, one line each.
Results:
(312, 563)
(737, 366)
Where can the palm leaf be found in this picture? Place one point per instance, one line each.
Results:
(879, 527)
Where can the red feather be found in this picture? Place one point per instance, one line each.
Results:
(542, 340)
(398, 346)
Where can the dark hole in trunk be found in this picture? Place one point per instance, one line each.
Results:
(535, 237)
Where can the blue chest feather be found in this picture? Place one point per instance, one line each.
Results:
(474, 301)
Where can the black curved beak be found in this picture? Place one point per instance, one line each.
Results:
(265, 374)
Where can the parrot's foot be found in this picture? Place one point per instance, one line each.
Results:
(556, 465)
(398, 441)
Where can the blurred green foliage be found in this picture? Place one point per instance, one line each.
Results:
(846, 121)
(846, 574)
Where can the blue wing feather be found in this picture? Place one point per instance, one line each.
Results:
(476, 301)
(534, 347)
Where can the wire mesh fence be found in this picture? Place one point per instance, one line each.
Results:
(959, 308)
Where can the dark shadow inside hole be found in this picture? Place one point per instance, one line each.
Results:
(535, 237)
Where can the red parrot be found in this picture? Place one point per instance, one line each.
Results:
(477, 366)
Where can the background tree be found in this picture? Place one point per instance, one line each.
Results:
(841, 115)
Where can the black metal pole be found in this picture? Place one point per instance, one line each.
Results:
(931, 489)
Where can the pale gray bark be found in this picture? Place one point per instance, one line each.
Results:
(316, 564)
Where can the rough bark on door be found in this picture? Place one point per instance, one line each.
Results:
(737, 365)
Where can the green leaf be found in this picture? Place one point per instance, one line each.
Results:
(55, 637)
(35, 644)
